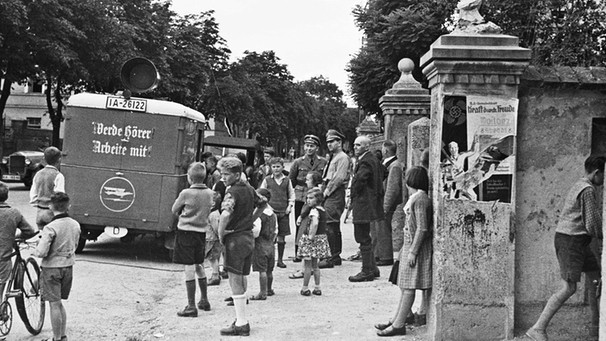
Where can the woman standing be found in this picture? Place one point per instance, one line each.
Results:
(416, 255)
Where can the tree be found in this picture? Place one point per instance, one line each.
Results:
(15, 61)
(559, 32)
(393, 29)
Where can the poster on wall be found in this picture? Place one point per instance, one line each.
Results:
(485, 170)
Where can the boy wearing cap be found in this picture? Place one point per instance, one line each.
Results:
(298, 172)
(336, 177)
(46, 182)
(57, 248)
(264, 254)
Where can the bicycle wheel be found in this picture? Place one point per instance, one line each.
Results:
(29, 302)
(6, 318)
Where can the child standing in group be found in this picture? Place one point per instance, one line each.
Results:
(57, 248)
(313, 179)
(193, 208)
(314, 243)
(282, 201)
(264, 253)
(10, 220)
(213, 245)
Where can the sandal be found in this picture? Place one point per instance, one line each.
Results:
(317, 292)
(296, 275)
(306, 292)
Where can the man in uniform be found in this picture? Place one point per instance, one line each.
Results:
(336, 176)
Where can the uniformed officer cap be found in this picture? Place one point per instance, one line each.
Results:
(312, 139)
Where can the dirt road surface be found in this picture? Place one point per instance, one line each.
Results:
(131, 292)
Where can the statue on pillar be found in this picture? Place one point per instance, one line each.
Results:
(471, 21)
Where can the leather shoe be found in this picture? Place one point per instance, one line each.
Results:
(188, 312)
(420, 320)
(382, 326)
(236, 330)
(362, 277)
(384, 262)
(376, 273)
(204, 305)
(326, 264)
(281, 265)
(296, 260)
(337, 261)
(214, 280)
(392, 331)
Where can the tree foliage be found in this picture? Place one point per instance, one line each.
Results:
(80, 45)
(559, 32)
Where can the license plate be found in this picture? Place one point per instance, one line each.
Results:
(126, 104)
(10, 177)
(114, 231)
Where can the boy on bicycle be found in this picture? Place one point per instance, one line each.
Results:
(10, 220)
(57, 248)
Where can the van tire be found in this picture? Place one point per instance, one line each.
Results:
(81, 244)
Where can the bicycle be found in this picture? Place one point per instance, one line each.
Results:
(24, 286)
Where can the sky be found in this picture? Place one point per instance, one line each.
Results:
(312, 37)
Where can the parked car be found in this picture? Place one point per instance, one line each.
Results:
(21, 166)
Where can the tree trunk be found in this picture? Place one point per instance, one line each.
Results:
(6, 91)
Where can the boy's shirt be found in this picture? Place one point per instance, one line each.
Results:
(193, 208)
(46, 182)
(11, 220)
(58, 242)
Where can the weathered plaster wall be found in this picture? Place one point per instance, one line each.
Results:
(554, 138)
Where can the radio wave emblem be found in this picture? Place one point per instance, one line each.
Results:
(117, 194)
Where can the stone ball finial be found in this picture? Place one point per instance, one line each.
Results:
(406, 65)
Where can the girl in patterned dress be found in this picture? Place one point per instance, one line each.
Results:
(313, 244)
(416, 255)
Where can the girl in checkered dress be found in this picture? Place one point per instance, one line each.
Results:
(416, 253)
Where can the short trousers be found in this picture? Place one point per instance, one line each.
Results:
(263, 261)
(238, 252)
(213, 250)
(283, 224)
(5, 270)
(56, 283)
(189, 247)
(574, 256)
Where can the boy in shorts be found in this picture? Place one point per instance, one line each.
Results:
(57, 248)
(282, 202)
(235, 233)
(580, 221)
(193, 207)
(264, 253)
(10, 220)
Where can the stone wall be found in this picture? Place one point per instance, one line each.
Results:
(556, 112)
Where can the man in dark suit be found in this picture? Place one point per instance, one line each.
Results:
(367, 205)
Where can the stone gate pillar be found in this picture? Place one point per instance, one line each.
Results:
(401, 105)
(474, 80)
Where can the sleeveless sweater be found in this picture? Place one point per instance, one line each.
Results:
(571, 218)
(279, 194)
(242, 217)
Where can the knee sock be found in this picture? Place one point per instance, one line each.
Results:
(270, 280)
(240, 306)
(296, 251)
(281, 250)
(191, 293)
(202, 283)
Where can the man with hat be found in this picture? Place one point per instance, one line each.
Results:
(298, 171)
(336, 176)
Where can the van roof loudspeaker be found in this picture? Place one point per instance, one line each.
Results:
(139, 75)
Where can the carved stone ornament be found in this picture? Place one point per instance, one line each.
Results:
(471, 21)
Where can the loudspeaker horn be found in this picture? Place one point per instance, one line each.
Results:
(139, 75)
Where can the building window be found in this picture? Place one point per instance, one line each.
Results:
(34, 122)
(37, 87)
